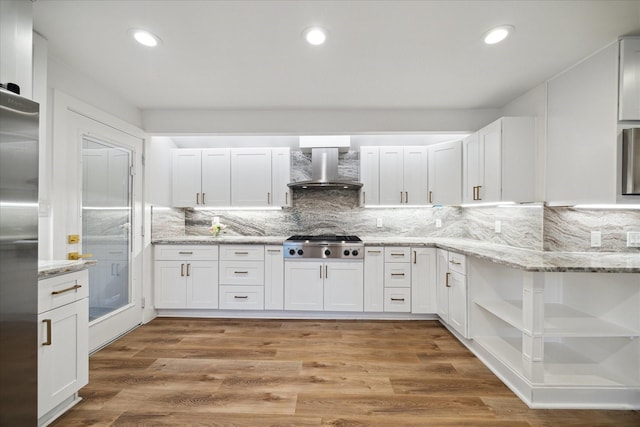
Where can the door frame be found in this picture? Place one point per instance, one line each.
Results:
(72, 119)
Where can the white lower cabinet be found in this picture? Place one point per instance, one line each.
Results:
(451, 290)
(423, 280)
(242, 277)
(241, 297)
(188, 279)
(273, 278)
(397, 300)
(63, 342)
(328, 286)
(397, 279)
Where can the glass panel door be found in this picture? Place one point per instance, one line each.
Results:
(106, 224)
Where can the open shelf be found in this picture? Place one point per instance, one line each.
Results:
(562, 366)
(559, 320)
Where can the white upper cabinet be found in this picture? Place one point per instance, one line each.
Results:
(370, 175)
(200, 177)
(251, 177)
(445, 173)
(498, 162)
(405, 172)
(280, 176)
(216, 170)
(629, 97)
(581, 132)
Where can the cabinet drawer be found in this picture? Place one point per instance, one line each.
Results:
(458, 263)
(242, 273)
(243, 252)
(397, 275)
(241, 297)
(184, 252)
(60, 290)
(397, 254)
(397, 299)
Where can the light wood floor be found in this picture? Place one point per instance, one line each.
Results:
(210, 372)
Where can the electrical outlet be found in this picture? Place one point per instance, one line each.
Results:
(596, 239)
(379, 222)
(498, 227)
(216, 220)
(633, 239)
(438, 223)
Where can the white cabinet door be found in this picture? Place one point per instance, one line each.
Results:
(471, 178)
(458, 302)
(202, 284)
(629, 108)
(303, 285)
(186, 168)
(370, 175)
(442, 286)
(216, 177)
(251, 177)
(343, 286)
(445, 173)
(490, 143)
(373, 279)
(63, 347)
(280, 176)
(392, 169)
(423, 280)
(170, 284)
(273, 278)
(416, 176)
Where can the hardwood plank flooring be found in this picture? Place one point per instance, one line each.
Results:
(248, 372)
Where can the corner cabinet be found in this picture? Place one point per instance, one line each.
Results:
(63, 342)
(558, 339)
(445, 173)
(498, 162)
(185, 276)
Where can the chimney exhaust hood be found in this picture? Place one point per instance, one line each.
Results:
(324, 163)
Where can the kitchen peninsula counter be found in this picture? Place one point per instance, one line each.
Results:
(52, 268)
(524, 259)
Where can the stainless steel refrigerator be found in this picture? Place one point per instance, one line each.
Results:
(18, 260)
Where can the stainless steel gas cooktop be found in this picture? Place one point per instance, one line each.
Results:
(323, 247)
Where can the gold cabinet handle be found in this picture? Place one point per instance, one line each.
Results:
(397, 254)
(182, 270)
(72, 288)
(268, 198)
(240, 272)
(197, 198)
(406, 197)
(446, 282)
(415, 257)
(74, 256)
(275, 251)
(321, 272)
(430, 196)
(326, 271)
(397, 274)
(185, 253)
(48, 323)
(397, 299)
(241, 253)
(241, 296)
(454, 262)
(286, 198)
(401, 198)
(364, 197)
(203, 198)
(373, 252)
(188, 270)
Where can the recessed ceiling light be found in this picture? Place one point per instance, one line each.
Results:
(497, 34)
(145, 38)
(315, 36)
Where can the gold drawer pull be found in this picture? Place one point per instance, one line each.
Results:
(241, 253)
(397, 254)
(275, 251)
(454, 262)
(240, 272)
(397, 274)
(72, 288)
(241, 296)
(48, 323)
(374, 252)
(446, 283)
(397, 299)
(185, 253)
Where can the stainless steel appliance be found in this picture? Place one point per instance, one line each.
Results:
(18, 260)
(324, 247)
(324, 172)
(631, 161)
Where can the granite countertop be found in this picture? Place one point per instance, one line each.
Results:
(56, 267)
(524, 259)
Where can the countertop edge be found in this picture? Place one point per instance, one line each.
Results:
(57, 268)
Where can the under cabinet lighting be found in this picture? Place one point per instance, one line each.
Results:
(497, 34)
(234, 208)
(473, 205)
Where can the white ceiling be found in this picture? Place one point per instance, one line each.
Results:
(378, 54)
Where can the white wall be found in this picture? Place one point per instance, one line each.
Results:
(346, 121)
(16, 29)
(82, 87)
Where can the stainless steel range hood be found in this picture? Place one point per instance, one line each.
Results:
(324, 172)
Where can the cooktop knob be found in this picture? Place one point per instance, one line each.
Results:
(292, 251)
(300, 251)
(346, 252)
(354, 252)
(327, 252)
